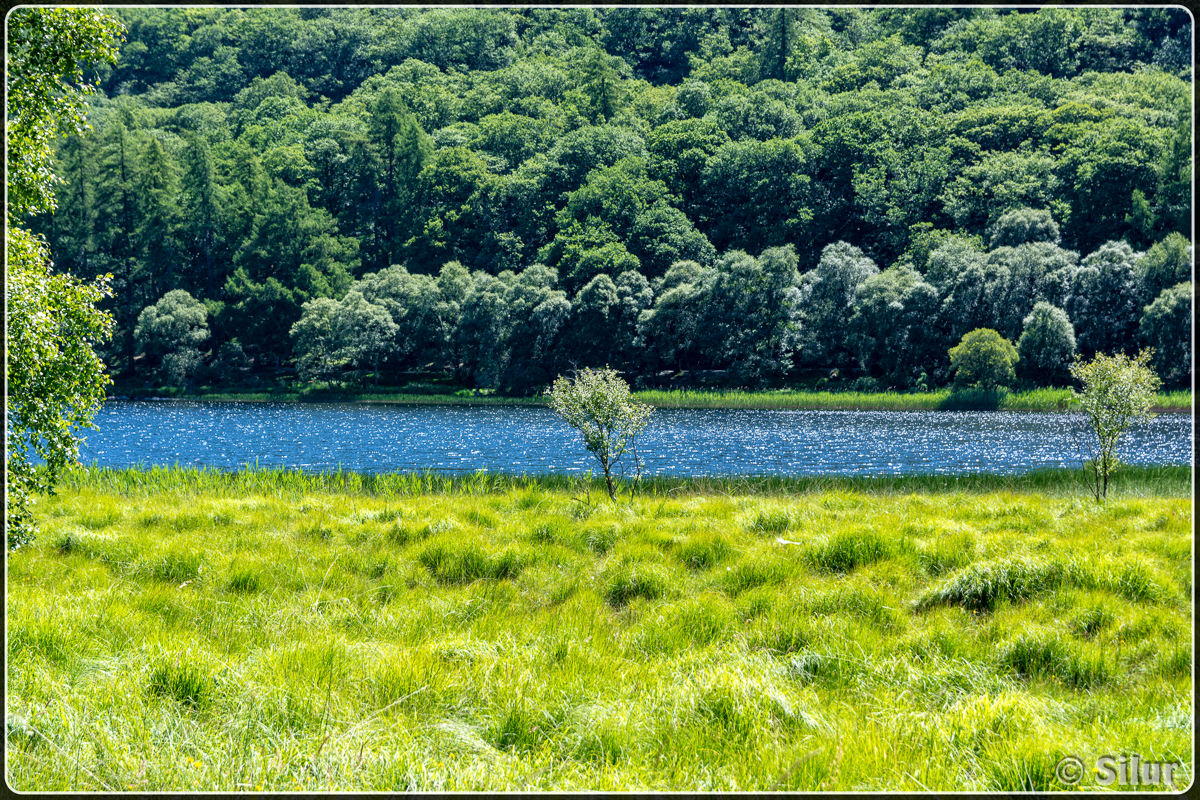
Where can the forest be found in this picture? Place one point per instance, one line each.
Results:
(504, 195)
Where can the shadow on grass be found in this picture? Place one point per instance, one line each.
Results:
(973, 400)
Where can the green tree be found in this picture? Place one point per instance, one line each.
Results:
(55, 381)
(48, 50)
(600, 79)
(1021, 225)
(537, 313)
(1166, 326)
(172, 331)
(983, 359)
(364, 332)
(314, 343)
(890, 326)
(1164, 265)
(1047, 345)
(292, 254)
(830, 290)
(589, 339)
(53, 378)
(598, 405)
(201, 207)
(670, 331)
(1117, 392)
(480, 354)
(756, 194)
(752, 315)
(1104, 300)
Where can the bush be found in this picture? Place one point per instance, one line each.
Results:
(983, 359)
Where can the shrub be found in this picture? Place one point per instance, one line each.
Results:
(598, 405)
(1047, 345)
(983, 359)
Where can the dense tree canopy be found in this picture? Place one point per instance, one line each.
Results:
(739, 189)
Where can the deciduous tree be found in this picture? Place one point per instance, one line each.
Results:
(54, 380)
(598, 405)
(1118, 391)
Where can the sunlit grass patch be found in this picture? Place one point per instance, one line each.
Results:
(721, 636)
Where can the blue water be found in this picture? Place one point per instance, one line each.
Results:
(692, 442)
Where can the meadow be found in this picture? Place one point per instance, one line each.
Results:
(197, 630)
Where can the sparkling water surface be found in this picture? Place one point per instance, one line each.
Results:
(681, 442)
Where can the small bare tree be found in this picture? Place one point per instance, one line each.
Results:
(598, 405)
(1117, 392)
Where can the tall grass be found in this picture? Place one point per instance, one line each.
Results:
(266, 630)
(944, 399)
(280, 481)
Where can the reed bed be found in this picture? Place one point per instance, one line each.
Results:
(1134, 481)
(942, 400)
(267, 630)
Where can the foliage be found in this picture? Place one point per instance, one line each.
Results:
(173, 330)
(597, 404)
(1047, 345)
(1118, 391)
(48, 51)
(983, 359)
(1166, 328)
(262, 158)
(54, 380)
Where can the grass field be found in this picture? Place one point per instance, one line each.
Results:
(1033, 400)
(196, 630)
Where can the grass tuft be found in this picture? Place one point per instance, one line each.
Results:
(452, 562)
(983, 586)
(850, 549)
(183, 681)
(633, 579)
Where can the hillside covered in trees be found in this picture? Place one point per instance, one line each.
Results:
(507, 194)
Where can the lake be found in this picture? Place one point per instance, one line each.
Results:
(525, 439)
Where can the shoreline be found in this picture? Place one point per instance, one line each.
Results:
(1035, 401)
(1160, 480)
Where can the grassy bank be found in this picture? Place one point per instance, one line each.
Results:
(196, 630)
(943, 400)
